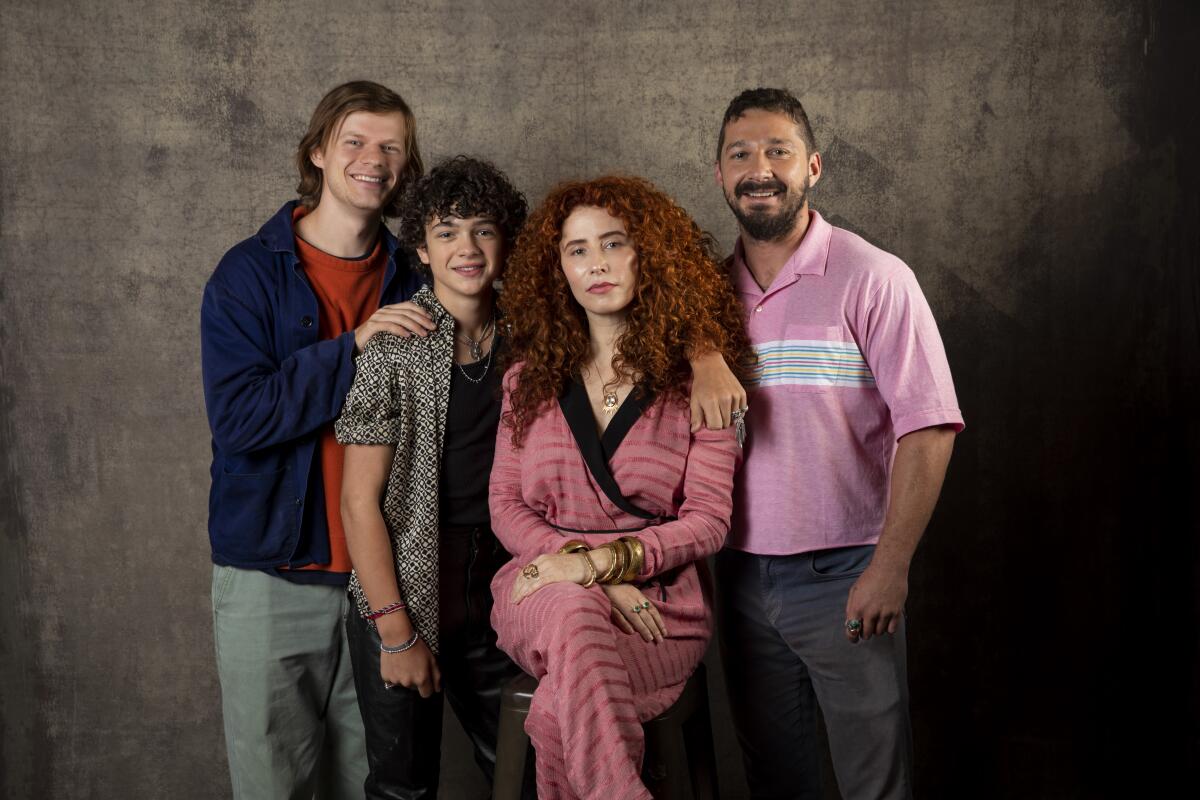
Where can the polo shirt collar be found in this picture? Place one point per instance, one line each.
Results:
(809, 257)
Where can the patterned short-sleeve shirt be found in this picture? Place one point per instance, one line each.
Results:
(400, 397)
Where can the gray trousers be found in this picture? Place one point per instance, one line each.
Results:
(785, 651)
(292, 725)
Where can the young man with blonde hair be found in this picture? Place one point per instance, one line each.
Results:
(281, 320)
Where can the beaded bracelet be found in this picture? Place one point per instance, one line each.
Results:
(400, 648)
(391, 608)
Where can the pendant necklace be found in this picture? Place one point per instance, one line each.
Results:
(610, 402)
(476, 346)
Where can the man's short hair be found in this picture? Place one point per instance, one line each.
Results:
(461, 187)
(780, 101)
(333, 108)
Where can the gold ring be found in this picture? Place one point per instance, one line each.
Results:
(530, 572)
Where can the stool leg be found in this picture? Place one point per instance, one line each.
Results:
(666, 762)
(512, 751)
(701, 757)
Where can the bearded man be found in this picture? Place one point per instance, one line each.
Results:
(852, 421)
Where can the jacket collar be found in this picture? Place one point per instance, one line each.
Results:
(279, 236)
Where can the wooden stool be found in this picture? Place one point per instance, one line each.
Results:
(679, 746)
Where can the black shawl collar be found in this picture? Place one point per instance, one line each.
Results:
(598, 450)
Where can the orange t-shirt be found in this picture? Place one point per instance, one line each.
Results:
(348, 292)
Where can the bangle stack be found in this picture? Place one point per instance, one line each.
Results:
(628, 557)
(391, 608)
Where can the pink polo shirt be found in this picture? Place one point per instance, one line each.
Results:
(850, 360)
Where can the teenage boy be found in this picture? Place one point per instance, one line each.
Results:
(852, 423)
(419, 427)
(281, 320)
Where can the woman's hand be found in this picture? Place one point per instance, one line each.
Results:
(633, 612)
(547, 569)
(716, 393)
(415, 668)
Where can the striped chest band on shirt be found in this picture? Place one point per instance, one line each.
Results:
(810, 362)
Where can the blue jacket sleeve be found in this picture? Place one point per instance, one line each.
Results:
(253, 401)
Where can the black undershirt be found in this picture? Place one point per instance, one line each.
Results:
(470, 444)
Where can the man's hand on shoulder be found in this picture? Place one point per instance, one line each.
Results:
(716, 392)
(402, 319)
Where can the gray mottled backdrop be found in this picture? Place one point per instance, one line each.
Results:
(1033, 162)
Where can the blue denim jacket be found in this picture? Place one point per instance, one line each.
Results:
(269, 387)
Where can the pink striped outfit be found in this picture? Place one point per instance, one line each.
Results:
(596, 683)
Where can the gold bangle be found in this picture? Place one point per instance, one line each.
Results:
(630, 561)
(573, 546)
(637, 557)
(620, 562)
(613, 563)
(591, 578)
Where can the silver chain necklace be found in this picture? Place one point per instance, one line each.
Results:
(483, 374)
(477, 346)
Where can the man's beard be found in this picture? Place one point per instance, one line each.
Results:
(762, 226)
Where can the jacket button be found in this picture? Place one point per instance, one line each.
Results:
(306, 321)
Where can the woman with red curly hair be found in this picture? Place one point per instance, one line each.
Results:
(599, 489)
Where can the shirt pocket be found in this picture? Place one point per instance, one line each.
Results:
(812, 358)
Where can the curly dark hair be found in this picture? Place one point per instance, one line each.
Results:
(684, 302)
(463, 187)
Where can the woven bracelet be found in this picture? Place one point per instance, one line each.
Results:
(388, 609)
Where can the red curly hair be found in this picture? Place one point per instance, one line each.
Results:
(683, 303)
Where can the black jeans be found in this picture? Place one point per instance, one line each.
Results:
(404, 731)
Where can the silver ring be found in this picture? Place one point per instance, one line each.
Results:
(738, 414)
(387, 685)
(646, 605)
(637, 609)
(854, 626)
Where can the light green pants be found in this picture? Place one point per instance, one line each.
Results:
(292, 725)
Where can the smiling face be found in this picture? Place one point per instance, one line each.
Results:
(599, 260)
(464, 256)
(765, 171)
(363, 161)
